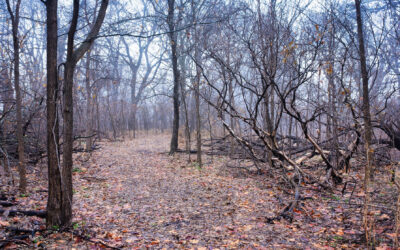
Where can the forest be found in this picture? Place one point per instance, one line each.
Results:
(200, 124)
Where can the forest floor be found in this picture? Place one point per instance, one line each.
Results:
(132, 194)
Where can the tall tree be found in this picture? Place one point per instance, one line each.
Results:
(15, 18)
(54, 213)
(89, 104)
(73, 57)
(139, 86)
(367, 117)
(59, 207)
(174, 56)
(197, 83)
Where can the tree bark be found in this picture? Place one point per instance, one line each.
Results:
(89, 105)
(6, 96)
(55, 193)
(197, 91)
(66, 202)
(185, 109)
(198, 118)
(18, 99)
(174, 56)
(73, 57)
(367, 120)
(332, 92)
(182, 62)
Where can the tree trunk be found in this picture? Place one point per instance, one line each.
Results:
(54, 197)
(174, 56)
(232, 119)
(367, 121)
(123, 122)
(5, 162)
(187, 129)
(7, 96)
(68, 143)
(20, 137)
(66, 202)
(182, 82)
(268, 125)
(110, 114)
(197, 95)
(290, 136)
(89, 105)
(73, 56)
(133, 101)
(133, 117)
(198, 119)
(98, 114)
(333, 99)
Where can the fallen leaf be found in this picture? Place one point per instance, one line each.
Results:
(131, 239)
(154, 242)
(247, 228)
(194, 241)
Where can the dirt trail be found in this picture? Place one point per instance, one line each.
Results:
(132, 194)
(135, 191)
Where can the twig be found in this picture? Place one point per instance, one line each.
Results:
(238, 167)
(362, 204)
(94, 241)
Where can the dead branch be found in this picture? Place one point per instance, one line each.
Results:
(99, 242)
(41, 214)
(7, 204)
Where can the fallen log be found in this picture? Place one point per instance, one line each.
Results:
(23, 230)
(392, 130)
(7, 204)
(185, 151)
(16, 240)
(93, 178)
(41, 214)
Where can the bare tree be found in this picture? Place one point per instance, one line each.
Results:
(139, 86)
(73, 56)
(15, 18)
(197, 86)
(60, 182)
(174, 57)
(54, 208)
(367, 121)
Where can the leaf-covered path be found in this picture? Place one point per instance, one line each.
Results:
(132, 194)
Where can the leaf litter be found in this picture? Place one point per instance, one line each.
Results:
(132, 194)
